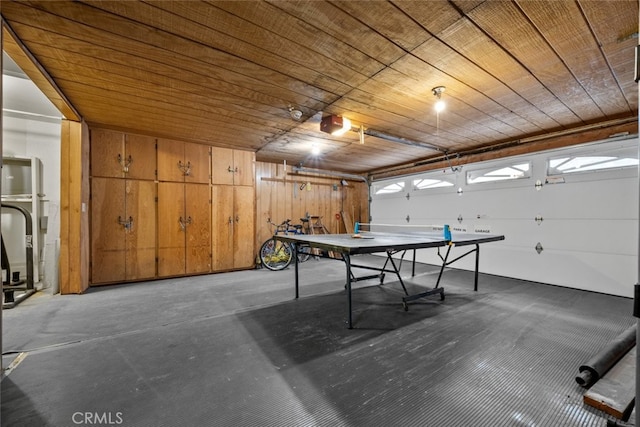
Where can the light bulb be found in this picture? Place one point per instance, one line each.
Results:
(439, 106)
(346, 125)
(315, 150)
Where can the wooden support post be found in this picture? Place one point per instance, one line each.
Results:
(74, 208)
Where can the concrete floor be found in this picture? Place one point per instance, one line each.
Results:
(236, 349)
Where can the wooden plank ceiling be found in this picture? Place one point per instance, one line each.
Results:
(226, 73)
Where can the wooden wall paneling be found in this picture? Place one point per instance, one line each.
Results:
(280, 196)
(336, 207)
(287, 197)
(259, 207)
(198, 228)
(222, 227)
(106, 148)
(170, 156)
(171, 239)
(140, 206)
(244, 252)
(198, 161)
(265, 199)
(108, 248)
(222, 166)
(141, 151)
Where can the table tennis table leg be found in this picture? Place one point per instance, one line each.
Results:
(295, 266)
(475, 283)
(413, 266)
(347, 261)
(444, 264)
(397, 270)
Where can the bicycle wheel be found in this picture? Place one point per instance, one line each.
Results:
(275, 255)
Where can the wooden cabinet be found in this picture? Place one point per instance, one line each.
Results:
(233, 227)
(119, 155)
(155, 212)
(123, 232)
(232, 167)
(183, 161)
(184, 221)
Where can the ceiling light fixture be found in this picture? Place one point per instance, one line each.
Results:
(295, 113)
(315, 150)
(439, 107)
(335, 125)
(437, 92)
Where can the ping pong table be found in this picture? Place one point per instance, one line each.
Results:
(391, 244)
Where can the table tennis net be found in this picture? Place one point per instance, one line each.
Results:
(401, 229)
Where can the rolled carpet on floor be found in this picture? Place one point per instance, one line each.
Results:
(599, 364)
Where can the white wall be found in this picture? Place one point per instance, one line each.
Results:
(589, 231)
(31, 129)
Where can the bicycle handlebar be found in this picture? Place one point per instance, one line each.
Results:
(285, 222)
(285, 226)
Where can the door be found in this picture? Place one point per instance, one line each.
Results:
(244, 167)
(198, 228)
(232, 167)
(171, 229)
(244, 227)
(140, 235)
(107, 148)
(222, 166)
(223, 224)
(140, 157)
(196, 157)
(171, 164)
(108, 250)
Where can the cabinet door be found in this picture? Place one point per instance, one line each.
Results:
(244, 231)
(222, 167)
(223, 220)
(140, 157)
(244, 167)
(171, 223)
(170, 160)
(108, 260)
(107, 153)
(140, 208)
(196, 156)
(198, 229)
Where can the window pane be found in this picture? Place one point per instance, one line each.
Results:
(502, 173)
(610, 159)
(421, 184)
(390, 188)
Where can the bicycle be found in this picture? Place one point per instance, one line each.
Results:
(277, 255)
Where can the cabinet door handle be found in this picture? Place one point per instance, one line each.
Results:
(184, 167)
(184, 223)
(125, 163)
(237, 218)
(230, 220)
(229, 169)
(127, 224)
